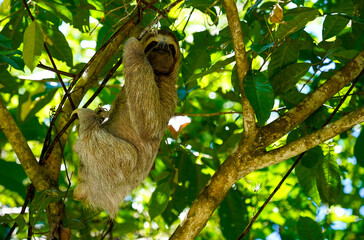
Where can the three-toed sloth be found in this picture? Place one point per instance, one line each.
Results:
(116, 155)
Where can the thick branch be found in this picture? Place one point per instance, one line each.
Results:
(311, 103)
(208, 200)
(311, 140)
(22, 149)
(241, 63)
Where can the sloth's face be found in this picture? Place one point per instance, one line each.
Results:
(162, 52)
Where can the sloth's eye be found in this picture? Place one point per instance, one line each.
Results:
(150, 46)
(173, 50)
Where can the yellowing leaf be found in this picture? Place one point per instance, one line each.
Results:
(276, 16)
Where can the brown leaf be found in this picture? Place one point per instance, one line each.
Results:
(276, 16)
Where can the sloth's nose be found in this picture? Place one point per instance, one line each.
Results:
(162, 45)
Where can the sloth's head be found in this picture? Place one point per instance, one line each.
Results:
(162, 51)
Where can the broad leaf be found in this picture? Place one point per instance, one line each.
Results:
(7, 82)
(216, 67)
(59, 47)
(307, 180)
(261, 96)
(288, 77)
(58, 8)
(359, 149)
(287, 53)
(12, 58)
(41, 200)
(233, 215)
(325, 49)
(6, 219)
(21, 222)
(159, 200)
(195, 62)
(328, 180)
(312, 157)
(12, 176)
(299, 17)
(308, 229)
(333, 25)
(33, 45)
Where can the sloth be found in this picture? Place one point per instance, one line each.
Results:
(117, 154)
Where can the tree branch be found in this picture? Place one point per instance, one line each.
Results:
(208, 200)
(250, 127)
(249, 156)
(311, 140)
(22, 149)
(280, 127)
(206, 114)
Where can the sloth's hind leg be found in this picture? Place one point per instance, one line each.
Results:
(106, 162)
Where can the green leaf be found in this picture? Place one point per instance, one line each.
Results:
(292, 97)
(259, 47)
(261, 96)
(190, 173)
(73, 224)
(235, 80)
(12, 58)
(288, 77)
(12, 176)
(359, 149)
(195, 62)
(58, 8)
(159, 200)
(21, 222)
(233, 215)
(229, 143)
(325, 49)
(81, 17)
(5, 42)
(333, 25)
(312, 157)
(33, 45)
(14, 29)
(287, 53)
(31, 103)
(217, 66)
(328, 180)
(59, 48)
(39, 203)
(307, 180)
(8, 81)
(318, 118)
(299, 17)
(6, 219)
(309, 229)
(205, 7)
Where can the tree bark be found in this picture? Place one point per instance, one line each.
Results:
(250, 127)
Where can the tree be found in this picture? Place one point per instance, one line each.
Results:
(266, 88)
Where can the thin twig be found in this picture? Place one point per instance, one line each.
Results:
(206, 114)
(110, 222)
(40, 65)
(28, 199)
(160, 15)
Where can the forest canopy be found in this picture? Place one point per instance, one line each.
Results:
(270, 109)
